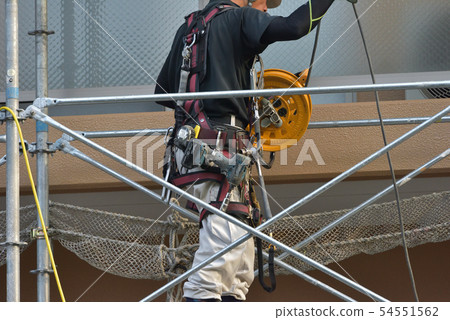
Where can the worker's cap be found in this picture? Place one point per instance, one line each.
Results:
(273, 3)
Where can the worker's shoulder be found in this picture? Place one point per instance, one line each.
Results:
(238, 15)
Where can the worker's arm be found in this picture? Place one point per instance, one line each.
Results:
(298, 24)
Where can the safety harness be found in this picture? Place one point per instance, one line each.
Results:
(193, 70)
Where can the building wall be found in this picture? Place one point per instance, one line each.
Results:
(331, 151)
(83, 59)
(384, 274)
(72, 181)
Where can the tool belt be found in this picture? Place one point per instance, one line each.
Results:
(227, 138)
(226, 141)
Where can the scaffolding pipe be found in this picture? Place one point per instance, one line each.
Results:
(241, 93)
(12, 150)
(370, 122)
(44, 118)
(2, 139)
(3, 160)
(311, 280)
(363, 163)
(299, 203)
(42, 185)
(123, 133)
(365, 204)
(67, 148)
(312, 125)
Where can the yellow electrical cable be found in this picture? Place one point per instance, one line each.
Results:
(41, 218)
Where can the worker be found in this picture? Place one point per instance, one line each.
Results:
(233, 35)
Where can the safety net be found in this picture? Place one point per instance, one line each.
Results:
(141, 248)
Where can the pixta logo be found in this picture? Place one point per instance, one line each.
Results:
(141, 150)
(307, 152)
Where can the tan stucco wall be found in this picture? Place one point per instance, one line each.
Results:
(340, 148)
(384, 273)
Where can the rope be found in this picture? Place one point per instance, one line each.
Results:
(176, 223)
(391, 167)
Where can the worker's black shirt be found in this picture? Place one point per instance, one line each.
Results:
(236, 36)
(234, 40)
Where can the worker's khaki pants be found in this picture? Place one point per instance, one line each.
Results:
(232, 273)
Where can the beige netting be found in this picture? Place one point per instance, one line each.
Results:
(142, 248)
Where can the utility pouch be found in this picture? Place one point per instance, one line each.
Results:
(194, 154)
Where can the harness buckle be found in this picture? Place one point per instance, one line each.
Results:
(187, 51)
(191, 44)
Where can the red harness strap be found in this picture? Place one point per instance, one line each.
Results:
(236, 209)
(184, 180)
(195, 64)
(196, 40)
(201, 177)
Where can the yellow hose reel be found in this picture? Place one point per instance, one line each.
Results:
(293, 110)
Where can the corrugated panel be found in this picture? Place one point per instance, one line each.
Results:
(403, 36)
(102, 43)
(107, 43)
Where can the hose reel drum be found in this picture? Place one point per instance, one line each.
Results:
(294, 111)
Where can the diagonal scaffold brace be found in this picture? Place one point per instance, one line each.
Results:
(64, 145)
(363, 205)
(38, 115)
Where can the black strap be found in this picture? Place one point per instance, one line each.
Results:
(273, 281)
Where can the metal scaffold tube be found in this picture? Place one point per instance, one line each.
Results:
(35, 112)
(42, 117)
(243, 93)
(364, 205)
(3, 160)
(299, 203)
(2, 139)
(67, 148)
(361, 164)
(312, 125)
(370, 122)
(12, 150)
(311, 280)
(42, 184)
(123, 133)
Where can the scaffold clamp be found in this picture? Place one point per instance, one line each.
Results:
(33, 149)
(38, 233)
(43, 102)
(4, 115)
(41, 32)
(40, 271)
(13, 243)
